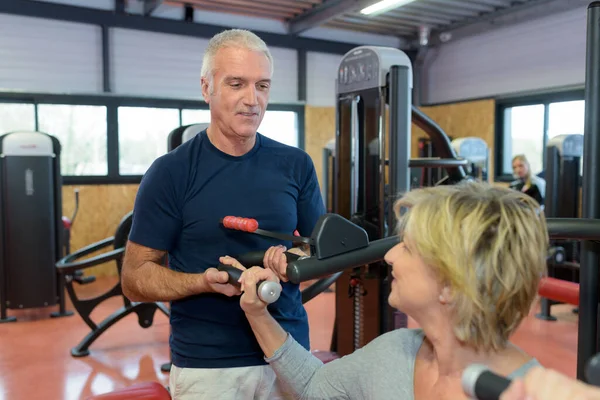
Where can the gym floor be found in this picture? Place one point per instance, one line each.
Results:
(37, 363)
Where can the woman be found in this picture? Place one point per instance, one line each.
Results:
(527, 183)
(467, 270)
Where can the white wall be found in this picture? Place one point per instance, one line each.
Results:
(536, 55)
(39, 55)
(52, 58)
(321, 73)
(155, 64)
(49, 56)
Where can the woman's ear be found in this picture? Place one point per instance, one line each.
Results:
(445, 295)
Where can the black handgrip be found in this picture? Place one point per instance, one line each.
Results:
(305, 269)
(255, 258)
(480, 383)
(267, 291)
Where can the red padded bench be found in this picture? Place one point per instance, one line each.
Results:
(559, 290)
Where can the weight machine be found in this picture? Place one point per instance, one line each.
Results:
(31, 227)
(371, 166)
(475, 150)
(562, 200)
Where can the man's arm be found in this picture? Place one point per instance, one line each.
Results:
(145, 279)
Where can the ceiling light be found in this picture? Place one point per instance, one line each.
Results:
(383, 6)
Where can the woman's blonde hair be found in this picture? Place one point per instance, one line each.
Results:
(524, 160)
(488, 244)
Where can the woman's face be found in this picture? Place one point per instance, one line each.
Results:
(519, 168)
(414, 287)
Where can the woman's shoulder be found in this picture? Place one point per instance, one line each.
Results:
(406, 340)
(523, 369)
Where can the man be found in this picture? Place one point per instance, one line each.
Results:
(228, 169)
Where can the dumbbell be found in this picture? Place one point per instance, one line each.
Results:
(267, 291)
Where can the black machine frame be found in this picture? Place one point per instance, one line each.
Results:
(73, 264)
(40, 178)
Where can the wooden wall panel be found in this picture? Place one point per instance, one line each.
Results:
(101, 208)
(472, 118)
(319, 123)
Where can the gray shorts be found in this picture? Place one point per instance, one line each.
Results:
(243, 383)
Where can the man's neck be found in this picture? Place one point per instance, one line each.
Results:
(230, 143)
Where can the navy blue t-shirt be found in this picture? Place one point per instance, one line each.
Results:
(181, 201)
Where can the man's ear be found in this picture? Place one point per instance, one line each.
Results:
(204, 84)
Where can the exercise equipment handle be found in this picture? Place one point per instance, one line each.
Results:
(267, 291)
(251, 225)
(240, 224)
(255, 258)
(480, 383)
(309, 268)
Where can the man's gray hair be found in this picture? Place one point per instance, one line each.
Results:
(231, 38)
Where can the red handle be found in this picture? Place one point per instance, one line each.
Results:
(241, 224)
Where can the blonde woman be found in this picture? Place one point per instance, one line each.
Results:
(467, 270)
(525, 182)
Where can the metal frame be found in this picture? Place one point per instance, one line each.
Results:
(587, 338)
(112, 104)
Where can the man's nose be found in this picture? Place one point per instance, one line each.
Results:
(250, 96)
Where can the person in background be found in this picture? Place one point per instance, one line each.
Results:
(467, 270)
(526, 182)
(227, 169)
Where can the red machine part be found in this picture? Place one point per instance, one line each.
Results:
(559, 290)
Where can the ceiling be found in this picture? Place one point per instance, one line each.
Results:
(420, 22)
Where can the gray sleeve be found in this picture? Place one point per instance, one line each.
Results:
(306, 377)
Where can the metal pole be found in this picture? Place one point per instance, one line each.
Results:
(325, 177)
(588, 294)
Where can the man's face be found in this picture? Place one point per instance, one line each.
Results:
(241, 84)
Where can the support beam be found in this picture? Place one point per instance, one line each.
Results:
(326, 11)
(507, 17)
(61, 12)
(188, 13)
(150, 6)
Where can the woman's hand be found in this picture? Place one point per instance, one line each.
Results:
(250, 302)
(276, 260)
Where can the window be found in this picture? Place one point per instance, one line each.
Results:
(523, 134)
(16, 117)
(189, 117)
(281, 126)
(526, 126)
(143, 134)
(566, 118)
(82, 132)
(113, 139)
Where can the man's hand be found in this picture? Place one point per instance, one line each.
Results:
(276, 261)
(216, 281)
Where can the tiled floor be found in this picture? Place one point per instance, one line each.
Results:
(35, 359)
